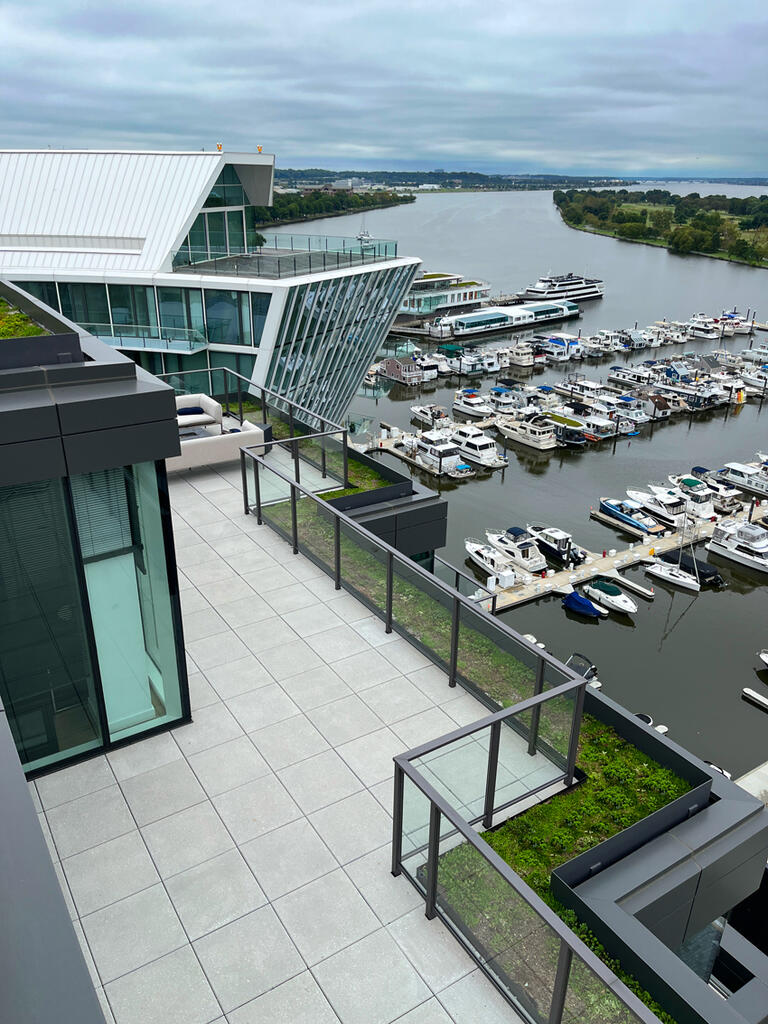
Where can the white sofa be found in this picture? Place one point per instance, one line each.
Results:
(210, 416)
(216, 448)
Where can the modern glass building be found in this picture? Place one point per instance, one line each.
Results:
(158, 254)
(91, 649)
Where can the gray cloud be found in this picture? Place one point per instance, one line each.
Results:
(672, 88)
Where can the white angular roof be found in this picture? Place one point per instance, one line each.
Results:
(109, 210)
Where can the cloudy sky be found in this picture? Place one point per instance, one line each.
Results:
(674, 87)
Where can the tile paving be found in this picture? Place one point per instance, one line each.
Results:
(236, 870)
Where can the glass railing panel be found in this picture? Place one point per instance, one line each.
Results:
(321, 461)
(316, 532)
(364, 568)
(555, 723)
(589, 1000)
(422, 611)
(415, 832)
(457, 771)
(493, 663)
(504, 932)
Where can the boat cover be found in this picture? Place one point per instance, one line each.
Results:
(583, 606)
(606, 587)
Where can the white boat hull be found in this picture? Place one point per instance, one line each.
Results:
(674, 576)
(740, 557)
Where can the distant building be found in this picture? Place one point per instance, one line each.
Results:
(155, 253)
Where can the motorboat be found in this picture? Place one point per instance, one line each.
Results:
(758, 354)
(492, 561)
(612, 341)
(468, 402)
(706, 574)
(756, 378)
(726, 499)
(584, 667)
(667, 509)
(575, 602)
(700, 498)
(738, 324)
(556, 545)
(594, 426)
(626, 407)
(572, 342)
(520, 354)
(576, 385)
(434, 450)
(632, 376)
(569, 433)
(607, 594)
(460, 361)
(763, 656)
(592, 348)
(428, 366)
(630, 513)
(556, 349)
(565, 286)
(702, 326)
(490, 361)
(430, 414)
(533, 430)
(674, 575)
(753, 697)
(519, 546)
(747, 478)
(505, 400)
(745, 543)
(477, 447)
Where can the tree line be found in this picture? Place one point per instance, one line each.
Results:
(691, 223)
(314, 203)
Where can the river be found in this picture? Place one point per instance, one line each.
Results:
(683, 659)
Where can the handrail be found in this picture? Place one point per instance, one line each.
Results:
(256, 387)
(450, 592)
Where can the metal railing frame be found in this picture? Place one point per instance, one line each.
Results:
(439, 806)
(459, 574)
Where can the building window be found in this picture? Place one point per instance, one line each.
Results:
(198, 244)
(86, 304)
(119, 525)
(223, 315)
(47, 680)
(133, 311)
(181, 313)
(259, 308)
(235, 231)
(43, 290)
(217, 234)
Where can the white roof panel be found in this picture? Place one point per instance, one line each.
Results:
(113, 210)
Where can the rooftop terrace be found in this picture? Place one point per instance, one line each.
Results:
(237, 869)
(285, 254)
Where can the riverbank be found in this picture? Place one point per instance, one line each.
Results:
(289, 208)
(661, 244)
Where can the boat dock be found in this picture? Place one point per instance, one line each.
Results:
(564, 581)
(756, 782)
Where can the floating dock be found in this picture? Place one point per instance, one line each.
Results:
(564, 581)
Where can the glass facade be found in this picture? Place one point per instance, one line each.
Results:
(91, 650)
(329, 334)
(188, 317)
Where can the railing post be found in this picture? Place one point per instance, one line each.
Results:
(538, 686)
(264, 405)
(257, 491)
(390, 584)
(244, 480)
(294, 522)
(336, 552)
(296, 468)
(434, 850)
(560, 988)
(490, 778)
(323, 457)
(397, 819)
(454, 658)
(573, 745)
(290, 420)
(345, 457)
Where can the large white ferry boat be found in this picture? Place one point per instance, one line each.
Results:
(502, 318)
(565, 286)
(440, 293)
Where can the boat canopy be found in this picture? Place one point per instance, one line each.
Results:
(607, 588)
(517, 531)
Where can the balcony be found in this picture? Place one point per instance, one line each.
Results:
(148, 338)
(288, 255)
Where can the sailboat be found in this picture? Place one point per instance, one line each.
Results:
(675, 574)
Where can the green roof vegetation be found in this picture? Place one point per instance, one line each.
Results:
(622, 786)
(15, 324)
(432, 277)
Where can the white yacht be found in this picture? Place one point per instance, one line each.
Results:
(573, 341)
(468, 402)
(565, 286)
(556, 544)
(667, 509)
(532, 430)
(606, 593)
(505, 401)
(477, 447)
(758, 354)
(492, 561)
(490, 361)
(612, 341)
(756, 378)
(577, 386)
(673, 574)
(747, 478)
(701, 498)
(697, 503)
(592, 348)
(702, 326)
(745, 543)
(596, 427)
(519, 547)
(430, 414)
(428, 366)
(520, 354)
(432, 448)
(632, 376)
(736, 322)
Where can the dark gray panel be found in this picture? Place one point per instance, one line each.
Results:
(100, 406)
(44, 975)
(123, 446)
(42, 350)
(27, 415)
(26, 461)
